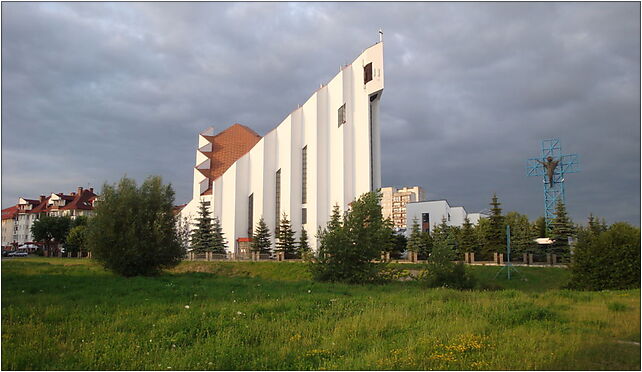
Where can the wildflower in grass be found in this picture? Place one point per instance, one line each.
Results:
(187, 306)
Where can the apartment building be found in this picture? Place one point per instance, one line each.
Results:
(393, 203)
(17, 221)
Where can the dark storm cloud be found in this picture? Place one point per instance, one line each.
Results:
(92, 91)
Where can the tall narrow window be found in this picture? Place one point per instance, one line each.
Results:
(304, 175)
(250, 215)
(304, 216)
(277, 200)
(367, 73)
(341, 115)
(425, 222)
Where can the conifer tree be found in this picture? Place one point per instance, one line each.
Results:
(304, 246)
(495, 241)
(426, 247)
(468, 241)
(218, 238)
(415, 240)
(202, 235)
(261, 240)
(562, 228)
(539, 228)
(285, 241)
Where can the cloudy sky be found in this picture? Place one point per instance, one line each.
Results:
(94, 91)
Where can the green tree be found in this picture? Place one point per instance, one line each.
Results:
(203, 235)
(261, 239)
(348, 249)
(521, 240)
(562, 229)
(415, 240)
(52, 231)
(76, 239)
(467, 238)
(607, 260)
(442, 272)
(539, 228)
(595, 226)
(219, 244)
(426, 246)
(304, 246)
(133, 230)
(495, 234)
(286, 242)
(399, 246)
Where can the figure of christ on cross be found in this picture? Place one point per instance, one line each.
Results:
(550, 166)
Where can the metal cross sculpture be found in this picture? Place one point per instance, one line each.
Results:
(552, 167)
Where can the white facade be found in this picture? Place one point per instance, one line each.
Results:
(342, 151)
(430, 214)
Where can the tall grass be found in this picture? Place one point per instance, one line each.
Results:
(71, 314)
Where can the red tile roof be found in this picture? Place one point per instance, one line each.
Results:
(9, 213)
(227, 147)
(80, 201)
(42, 206)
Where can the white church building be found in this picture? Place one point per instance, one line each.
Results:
(326, 152)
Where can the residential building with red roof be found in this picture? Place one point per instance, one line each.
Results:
(9, 216)
(27, 211)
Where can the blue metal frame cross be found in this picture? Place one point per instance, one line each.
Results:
(567, 163)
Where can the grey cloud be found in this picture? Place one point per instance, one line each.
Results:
(471, 88)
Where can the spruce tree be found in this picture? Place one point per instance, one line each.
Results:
(415, 239)
(218, 238)
(495, 241)
(304, 246)
(562, 228)
(539, 228)
(202, 235)
(261, 240)
(285, 241)
(426, 247)
(468, 241)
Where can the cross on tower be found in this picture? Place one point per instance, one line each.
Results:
(552, 166)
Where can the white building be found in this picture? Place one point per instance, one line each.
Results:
(393, 203)
(325, 152)
(430, 214)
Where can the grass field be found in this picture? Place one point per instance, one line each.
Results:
(71, 314)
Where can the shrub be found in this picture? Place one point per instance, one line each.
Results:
(607, 260)
(350, 245)
(133, 231)
(442, 272)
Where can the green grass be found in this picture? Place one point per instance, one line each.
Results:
(71, 314)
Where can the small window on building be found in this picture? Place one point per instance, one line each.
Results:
(448, 217)
(207, 204)
(304, 216)
(367, 73)
(342, 115)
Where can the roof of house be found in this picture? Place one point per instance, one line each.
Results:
(227, 147)
(9, 213)
(42, 206)
(81, 200)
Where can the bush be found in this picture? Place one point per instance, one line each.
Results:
(350, 245)
(133, 231)
(454, 276)
(442, 272)
(607, 260)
